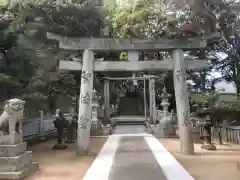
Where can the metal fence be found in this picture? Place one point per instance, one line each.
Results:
(39, 127)
(43, 126)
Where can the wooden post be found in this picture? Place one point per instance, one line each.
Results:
(152, 100)
(85, 103)
(106, 101)
(181, 95)
(145, 101)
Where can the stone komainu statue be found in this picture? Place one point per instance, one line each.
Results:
(10, 120)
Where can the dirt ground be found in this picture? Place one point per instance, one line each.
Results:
(223, 164)
(63, 164)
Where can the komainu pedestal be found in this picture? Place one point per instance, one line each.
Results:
(15, 161)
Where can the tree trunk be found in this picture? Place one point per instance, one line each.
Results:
(238, 90)
(52, 104)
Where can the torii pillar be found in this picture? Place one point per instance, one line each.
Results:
(85, 103)
(182, 102)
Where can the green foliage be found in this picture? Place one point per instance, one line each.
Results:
(211, 99)
(72, 20)
(41, 82)
(124, 56)
(16, 68)
(27, 56)
(141, 20)
(25, 49)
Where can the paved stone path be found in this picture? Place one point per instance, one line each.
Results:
(135, 157)
(135, 161)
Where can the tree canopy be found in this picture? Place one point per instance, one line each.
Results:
(29, 59)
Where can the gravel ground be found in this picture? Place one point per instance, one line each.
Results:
(223, 164)
(63, 164)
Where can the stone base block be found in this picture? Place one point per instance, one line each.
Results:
(209, 147)
(96, 128)
(196, 134)
(11, 139)
(13, 150)
(106, 130)
(159, 131)
(155, 129)
(150, 130)
(19, 175)
(96, 132)
(15, 163)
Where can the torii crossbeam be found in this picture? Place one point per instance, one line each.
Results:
(150, 65)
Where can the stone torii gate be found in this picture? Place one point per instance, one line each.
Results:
(152, 100)
(132, 46)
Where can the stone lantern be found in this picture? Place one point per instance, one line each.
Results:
(206, 122)
(166, 126)
(95, 123)
(165, 104)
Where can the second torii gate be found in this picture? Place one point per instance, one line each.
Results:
(152, 99)
(133, 46)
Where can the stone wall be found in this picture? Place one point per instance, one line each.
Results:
(223, 97)
(227, 97)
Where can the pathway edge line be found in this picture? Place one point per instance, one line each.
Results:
(101, 166)
(172, 169)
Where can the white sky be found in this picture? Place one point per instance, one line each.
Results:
(223, 86)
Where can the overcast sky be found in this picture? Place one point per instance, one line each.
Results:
(223, 85)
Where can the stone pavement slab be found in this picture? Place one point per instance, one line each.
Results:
(135, 157)
(135, 161)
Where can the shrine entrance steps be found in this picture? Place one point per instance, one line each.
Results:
(128, 120)
(132, 124)
(135, 157)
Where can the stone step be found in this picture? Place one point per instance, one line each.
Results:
(21, 174)
(15, 163)
(12, 150)
(130, 122)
